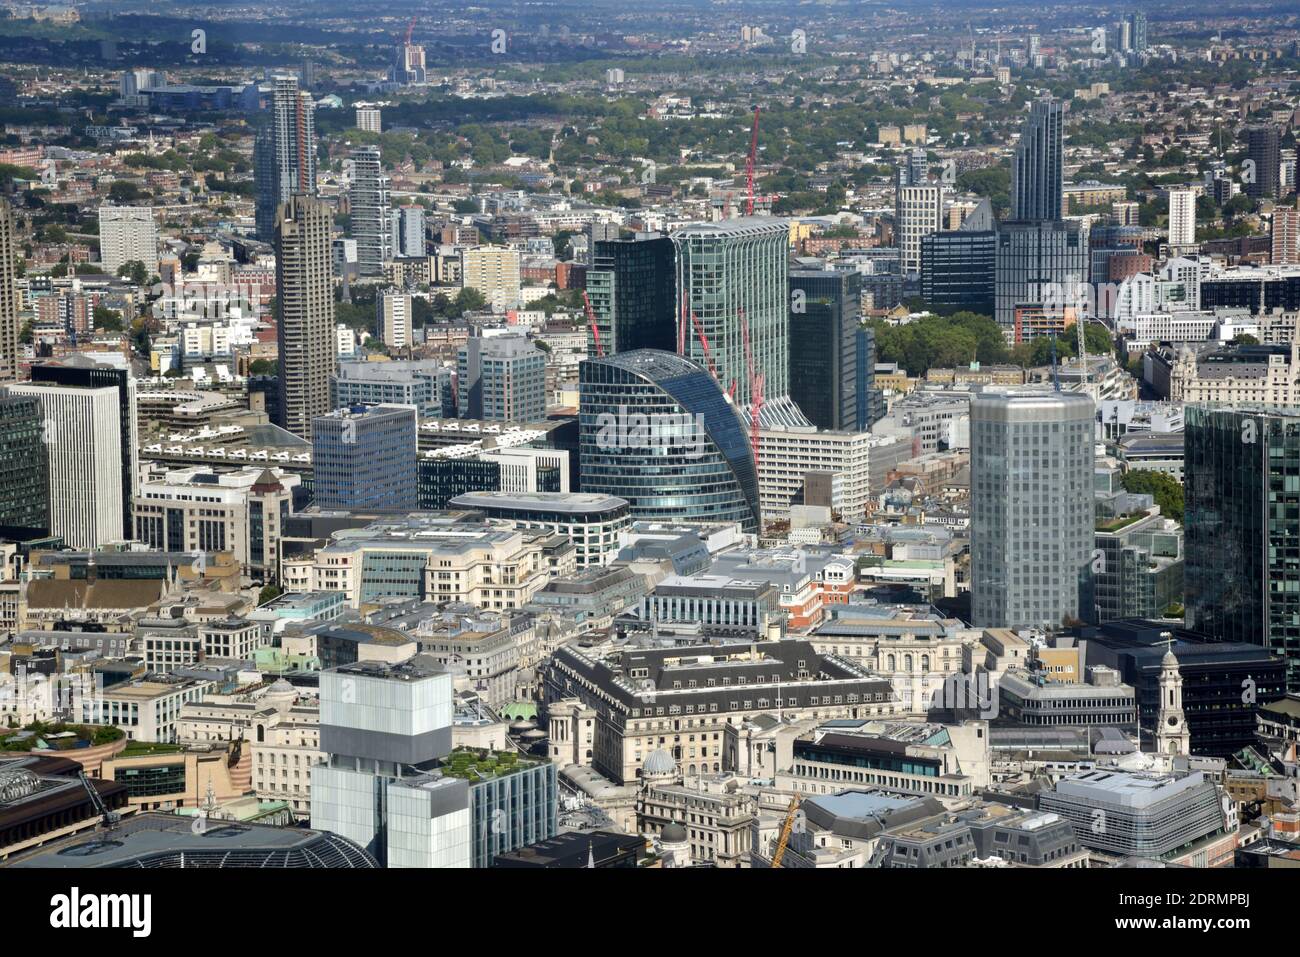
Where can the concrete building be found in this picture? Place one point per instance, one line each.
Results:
(501, 378)
(494, 271)
(128, 234)
(364, 459)
(594, 523)
(305, 297)
(370, 211)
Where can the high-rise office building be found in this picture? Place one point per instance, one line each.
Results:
(84, 372)
(824, 318)
(959, 266)
(1182, 218)
(655, 430)
(128, 234)
(1263, 153)
(369, 204)
(363, 459)
(918, 213)
(870, 401)
(1037, 166)
(1031, 506)
(8, 295)
(501, 377)
(423, 383)
(393, 317)
(83, 442)
(24, 469)
(630, 284)
(1242, 528)
(1040, 264)
(730, 275)
(284, 152)
(305, 286)
(383, 728)
(1124, 29)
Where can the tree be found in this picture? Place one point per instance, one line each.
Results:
(109, 320)
(1165, 489)
(269, 593)
(135, 271)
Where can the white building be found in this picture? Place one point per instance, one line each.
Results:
(83, 438)
(128, 233)
(394, 315)
(1182, 218)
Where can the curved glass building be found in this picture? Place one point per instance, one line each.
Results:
(656, 430)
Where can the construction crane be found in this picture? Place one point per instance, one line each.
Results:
(409, 28)
(749, 166)
(591, 321)
(109, 818)
(1056, 378)
(1083, 356)
(786, 829)
(704, 344)
(755, 390)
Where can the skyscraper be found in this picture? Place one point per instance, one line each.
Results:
(1031, 506)
(128, 234)
(1242, 528)
(408, 238)
(726, 270)
(824, 318)
(1138, 19)
(8, 296)
(630, 286)
(1285, 236)
(83, 442)
(304, 282)
(1040, 264)
(363, 459)
(1036, 168)
(1263, 153)
(82, 372)
(1182, 218)
(393, 316)
(369, 202)
(501, 377)
(284, 152)
(655, 430)
(24, 469)
(918, 213)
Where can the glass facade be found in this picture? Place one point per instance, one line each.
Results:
(24, 469)
(823, 346)
(1242, 521)
(1037, 263)
(631, 288)
(1031, 506)
(655, 430)
(512, 811)
(366, 461)
(958, 270)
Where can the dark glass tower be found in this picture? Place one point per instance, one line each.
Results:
(823, 347)
(24, 470)
(364, 459)
(1037, 167)
(631, 288)
(1263, 148)
(1242, 528)
(655, 430)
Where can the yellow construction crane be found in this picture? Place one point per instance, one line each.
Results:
(784, 840)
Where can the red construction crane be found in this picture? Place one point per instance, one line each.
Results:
(755, 390)
(749, 166)
(591, 321)
(409, 28)
(704, 344)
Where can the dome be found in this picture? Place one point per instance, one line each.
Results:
(673, 833)
(659, 762)
(280, 686)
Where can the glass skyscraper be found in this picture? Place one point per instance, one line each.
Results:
(631, 288)
(655, 429)
(1242, 528)
(823, 346)
(723, 270)
(364, 459)
(24, 469)
(1042, 263)
(1037, 169)
(1031, 506)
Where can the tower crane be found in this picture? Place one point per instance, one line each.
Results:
(786, 829)
(591, 321)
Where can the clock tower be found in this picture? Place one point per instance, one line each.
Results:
(1172, 736)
